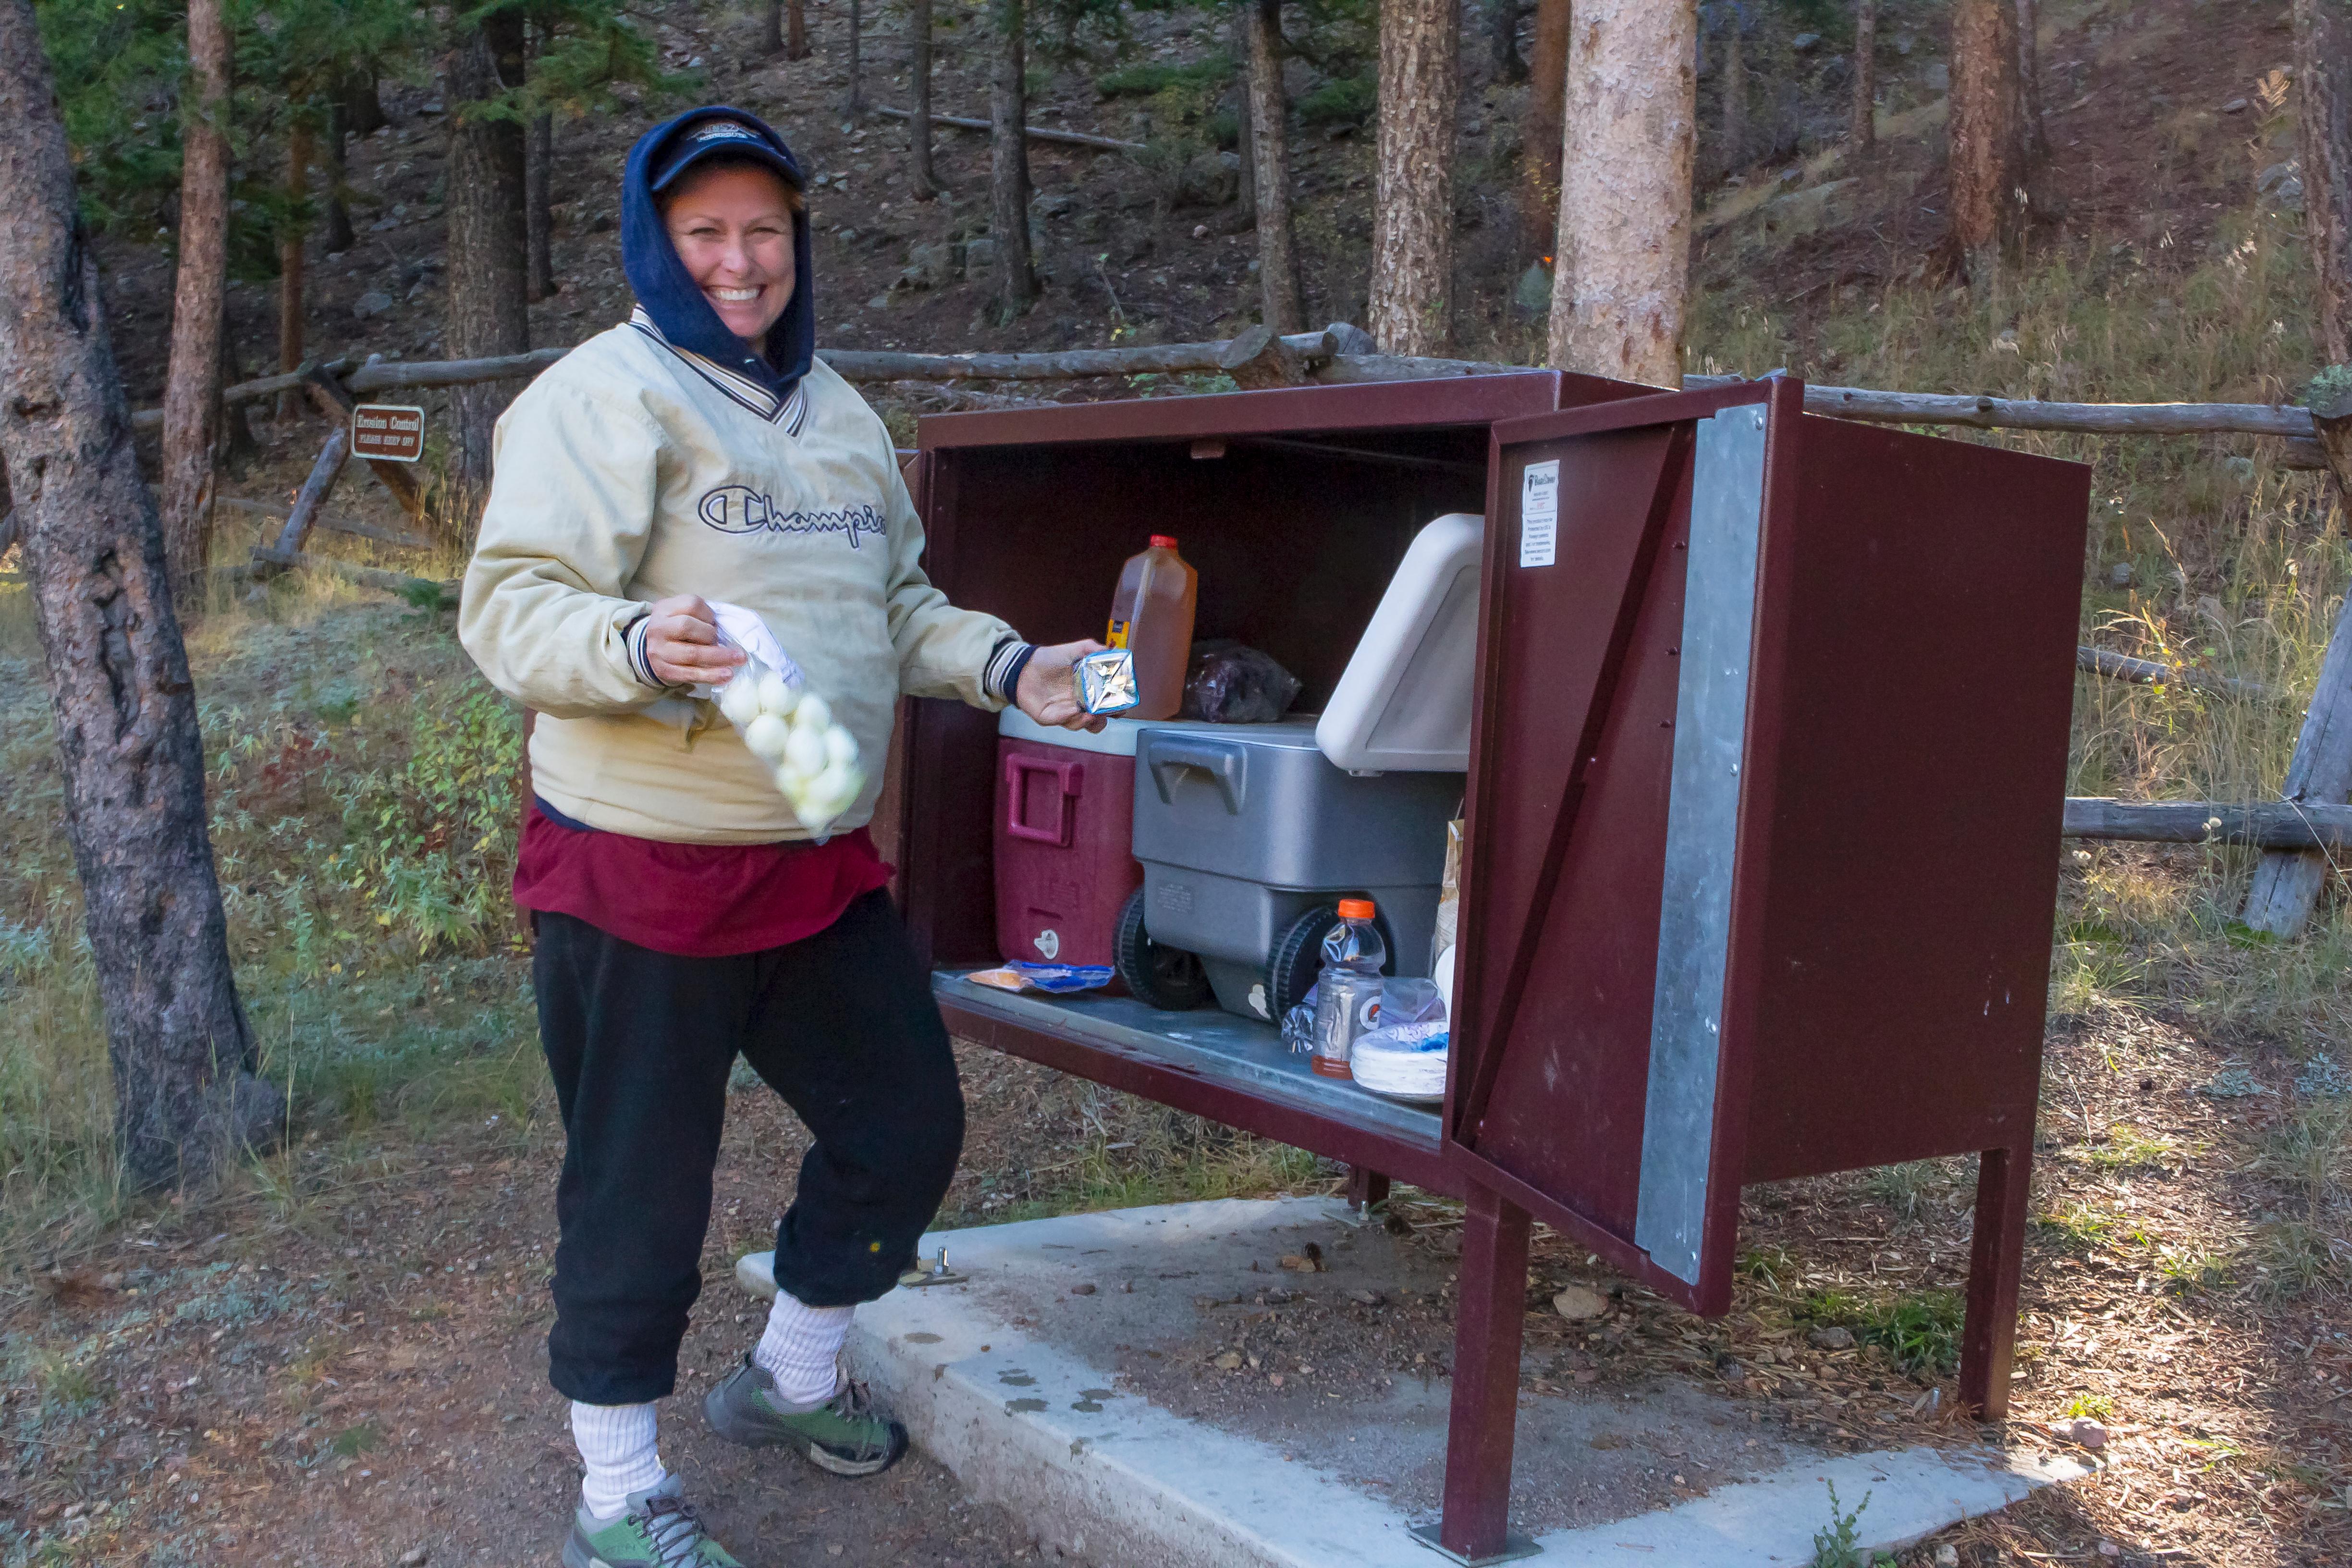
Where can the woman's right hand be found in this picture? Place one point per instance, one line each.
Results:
(682, 643)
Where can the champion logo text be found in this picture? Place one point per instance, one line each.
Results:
(739, 509)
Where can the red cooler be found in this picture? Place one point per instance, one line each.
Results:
(1065, 838)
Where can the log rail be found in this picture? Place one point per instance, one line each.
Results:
(1341, 354)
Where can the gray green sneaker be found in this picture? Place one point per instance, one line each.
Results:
(658, 1530)
(844, 1435)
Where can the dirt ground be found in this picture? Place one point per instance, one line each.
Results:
(350, 1367)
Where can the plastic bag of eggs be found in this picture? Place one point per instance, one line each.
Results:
(791, 729)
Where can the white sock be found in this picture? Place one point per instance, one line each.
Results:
(801, 1349)
(617, 1444)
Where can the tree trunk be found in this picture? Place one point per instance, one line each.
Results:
(772, 28)
(233, 447)
(1621, 289)
(853, 102)
(539, 217)
(119, 695)
(1244, 135)
(1863, 131)
(2029, 82)
(1269, 156)
(796, 44)
(919, 173)
(2323, 90)
(1731, 85)
(1502, 39)
(338, 236)
(289, 255)
(1008, 164)
(488, 308)
(1548, 87)
(1411, 310)
(192, 380)
(1988, 154)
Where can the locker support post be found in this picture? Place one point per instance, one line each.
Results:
(1366, 1187)
(1485, 1417)
(1996, 1262)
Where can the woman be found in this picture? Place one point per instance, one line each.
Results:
(683, 915)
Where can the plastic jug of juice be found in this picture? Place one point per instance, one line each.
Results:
(1348, 992)
(1151, 616)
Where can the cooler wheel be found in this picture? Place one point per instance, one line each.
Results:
(1297, 956)
(1167, 978)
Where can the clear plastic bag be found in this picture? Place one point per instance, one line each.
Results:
(1406, 1001)
(1232, 683)
(813, 762)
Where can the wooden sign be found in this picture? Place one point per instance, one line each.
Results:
(384, 432)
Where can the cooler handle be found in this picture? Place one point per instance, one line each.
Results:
(1166, 753)
(1073, 777)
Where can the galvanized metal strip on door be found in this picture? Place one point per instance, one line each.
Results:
(1702, 838)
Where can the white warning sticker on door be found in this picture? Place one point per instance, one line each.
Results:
(1540, 513)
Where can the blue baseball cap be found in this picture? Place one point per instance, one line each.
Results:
(718, 137)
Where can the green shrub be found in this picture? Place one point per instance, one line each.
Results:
(1342, 101)
(1144, 81)
(428, 841)
(1920, 1333)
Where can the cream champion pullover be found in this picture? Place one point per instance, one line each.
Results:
(631, 470)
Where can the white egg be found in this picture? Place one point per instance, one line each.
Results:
(790, 783)
(815, 712)
(775, 695)
(837, 785)
(740, 700)
(840, 747)
(805, 749)
(768, 736)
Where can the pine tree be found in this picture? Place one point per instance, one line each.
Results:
(130, 752)
(1546, 91)
(1015, 283)
(1863, 118)
(488, 242)
(1987, 141)
(192, 380)
(1620, 294)
(1411, 308)
(1268, 156)
(2323, 91)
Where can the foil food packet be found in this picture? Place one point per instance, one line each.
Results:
(1106, 681)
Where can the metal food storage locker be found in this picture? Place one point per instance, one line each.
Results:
(1767, 773)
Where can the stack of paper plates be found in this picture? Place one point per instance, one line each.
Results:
(1404, 1063)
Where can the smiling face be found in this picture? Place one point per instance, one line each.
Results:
(732, 227)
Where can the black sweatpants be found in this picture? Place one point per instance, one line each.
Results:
(841, 1025)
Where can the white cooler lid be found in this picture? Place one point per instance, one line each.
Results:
(1116, 739)
(1403, 702)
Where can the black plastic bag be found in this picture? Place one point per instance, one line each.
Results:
(1230, 683)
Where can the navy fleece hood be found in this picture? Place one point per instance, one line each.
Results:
(668, 294)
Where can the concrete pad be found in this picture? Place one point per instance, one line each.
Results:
(1035, 1399)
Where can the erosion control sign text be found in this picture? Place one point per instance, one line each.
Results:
(387, 433)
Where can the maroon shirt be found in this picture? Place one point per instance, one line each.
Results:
(694, 901)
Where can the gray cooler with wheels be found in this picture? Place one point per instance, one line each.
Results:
(1244, 831)
(1250, 834)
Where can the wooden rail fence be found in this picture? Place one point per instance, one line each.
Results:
(2301, 837)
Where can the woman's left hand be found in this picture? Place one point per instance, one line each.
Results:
(1048, 688)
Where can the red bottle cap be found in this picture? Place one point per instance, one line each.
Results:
(1356, 909)
(1163, 541)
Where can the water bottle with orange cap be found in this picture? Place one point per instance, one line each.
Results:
(1348, 992)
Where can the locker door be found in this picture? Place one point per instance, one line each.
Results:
(1600, 1071)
